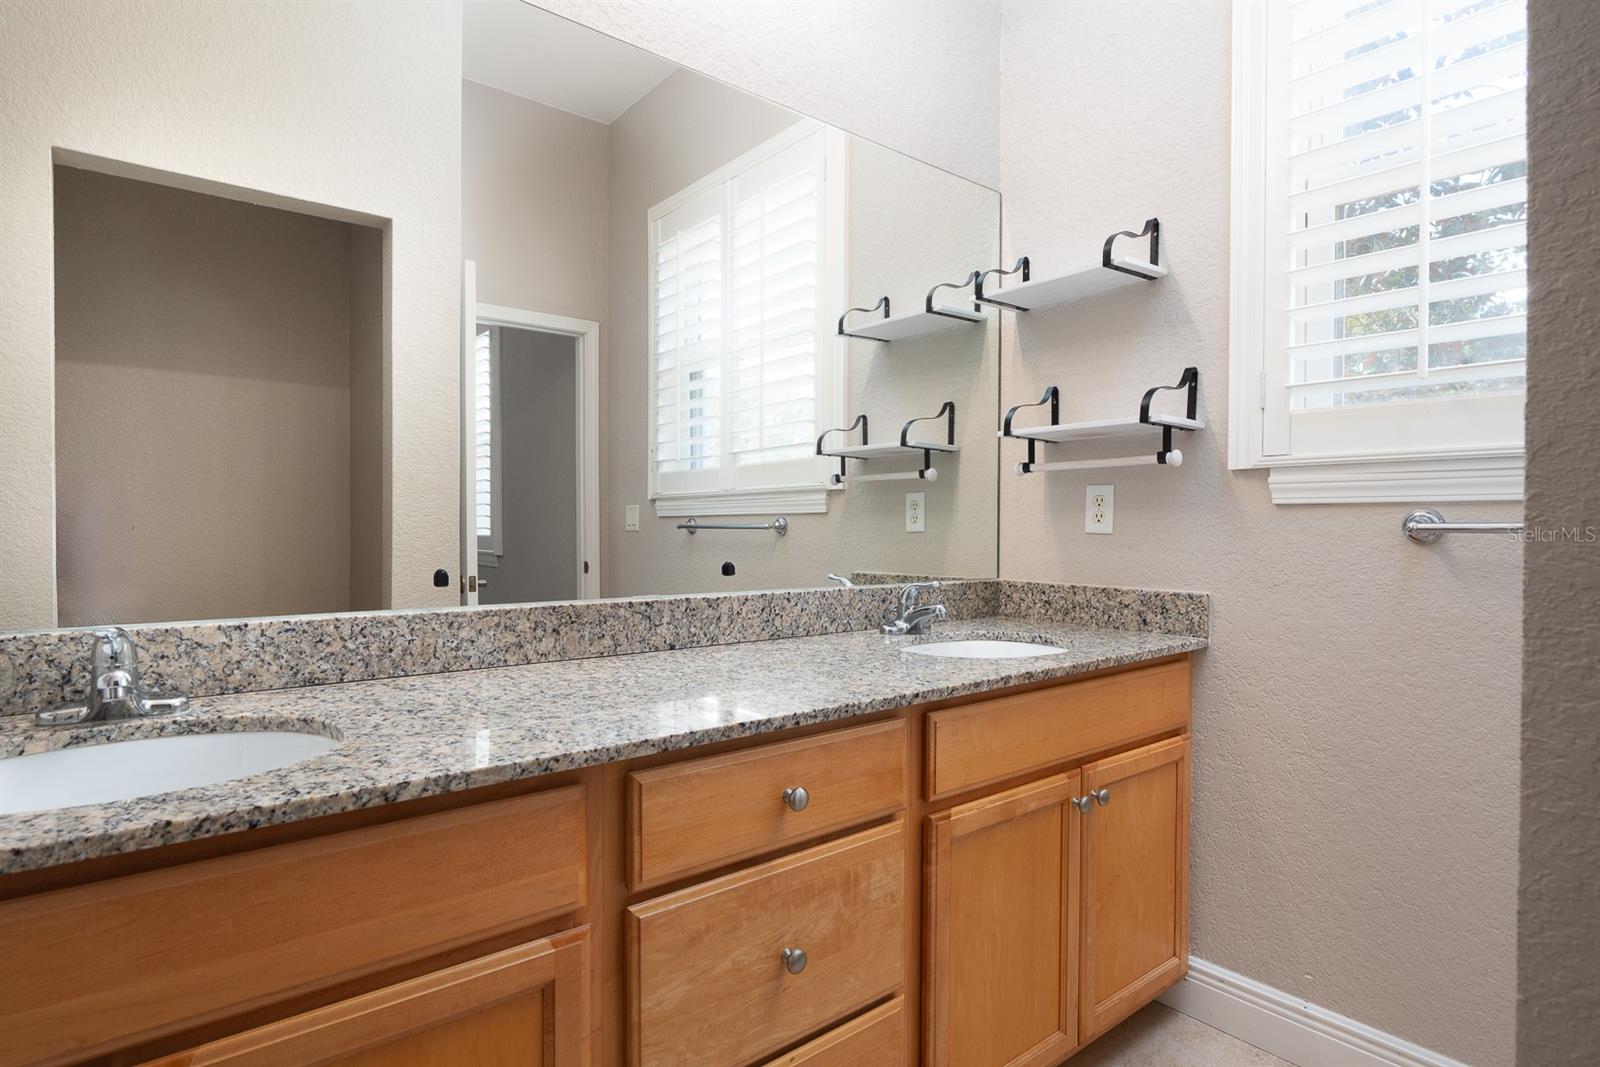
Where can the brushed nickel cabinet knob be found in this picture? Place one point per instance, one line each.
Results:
(797, 799)
(1083, 804)
(794, 960)
(1101, 796)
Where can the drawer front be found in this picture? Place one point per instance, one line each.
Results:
(527, 1006)
(709, 986)
(97, 966)
(692, 816)
(992, 740)
(875, 1039)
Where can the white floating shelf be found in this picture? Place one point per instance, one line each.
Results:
(1084, 431)
(918, 324)
(1043, 292)
(892, 449)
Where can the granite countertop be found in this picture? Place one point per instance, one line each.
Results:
(403, 738)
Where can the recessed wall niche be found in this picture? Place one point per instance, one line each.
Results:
(218, 406)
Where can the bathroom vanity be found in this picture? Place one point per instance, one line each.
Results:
(993, 877)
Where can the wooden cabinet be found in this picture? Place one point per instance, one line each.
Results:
(872, 1039)
(524, 1007)
(1135, 880)
(1001, 908)
(105, 965)
(1055, 909)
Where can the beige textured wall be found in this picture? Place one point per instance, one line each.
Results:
(369, 517)
(202, 405)
(276, 103)
(1558, 994)
(535, 205)
(1356, 737)
(921, 76)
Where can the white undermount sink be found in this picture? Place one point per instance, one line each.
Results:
(121, 770)
(984, 649)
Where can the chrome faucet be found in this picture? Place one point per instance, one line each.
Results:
(115, 689)
(842, 580)
(915, 619)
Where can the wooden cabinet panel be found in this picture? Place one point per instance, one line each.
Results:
(709, 987)
(689, 817)
(1135, 881)
(874, 1039)
(1001, 929)
(524, 1007)
(111, 963)
(993, 740)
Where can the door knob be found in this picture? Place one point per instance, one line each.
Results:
(1101, 796)
(1083, 804)
(797, 799)
(794, 960)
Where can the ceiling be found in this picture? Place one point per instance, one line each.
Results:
(517, 48)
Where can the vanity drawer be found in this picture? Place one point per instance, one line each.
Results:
(689, 817)
(95, 967)
(874, 1039)
(708, 983)
(992, 740)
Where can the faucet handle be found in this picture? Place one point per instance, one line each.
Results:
(113, 648)
(912, 591)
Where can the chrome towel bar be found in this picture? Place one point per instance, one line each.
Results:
(780, 524)
(1425, 526)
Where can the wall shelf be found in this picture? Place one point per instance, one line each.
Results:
(933, 318)
(1058, 432)
(1112, 272)
(905, 446)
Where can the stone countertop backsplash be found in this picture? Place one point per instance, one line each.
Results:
(586, 693)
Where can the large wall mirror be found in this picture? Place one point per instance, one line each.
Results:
(657, 272)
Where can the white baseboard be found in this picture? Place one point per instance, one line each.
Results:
(1288, 1027)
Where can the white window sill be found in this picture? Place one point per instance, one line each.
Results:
(1399, 480)
(802, 500)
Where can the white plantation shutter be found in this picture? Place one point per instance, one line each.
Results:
(485, 357)
(743, 365)
(1395, 234)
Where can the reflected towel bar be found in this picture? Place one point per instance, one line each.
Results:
(1425, 526)
(780, 524)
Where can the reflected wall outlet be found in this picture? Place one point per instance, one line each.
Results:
(916, 513)
(630, 516)
(1097, 506)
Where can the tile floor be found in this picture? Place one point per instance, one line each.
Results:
(1157, 1036)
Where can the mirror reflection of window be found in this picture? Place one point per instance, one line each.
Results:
(486, 416)
(744, 366)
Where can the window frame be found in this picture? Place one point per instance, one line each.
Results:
(1422, 474)
(807, 497)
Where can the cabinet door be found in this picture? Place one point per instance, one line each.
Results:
(1002, 910)
(1135, 880)
(524, 1007)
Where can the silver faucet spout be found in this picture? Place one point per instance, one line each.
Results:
(115, 689)
(915, 619)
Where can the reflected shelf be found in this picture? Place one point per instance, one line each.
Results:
(933, 318)
(905, 446)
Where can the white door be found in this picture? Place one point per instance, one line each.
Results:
(468, 581)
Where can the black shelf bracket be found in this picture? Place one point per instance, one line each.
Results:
(1152, 230)
(948, 413)
(883, 302)
(861, 421)
(1188, 380)
(1021, 267)
(1052, 396)
(971, 279)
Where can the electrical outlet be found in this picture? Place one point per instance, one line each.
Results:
(916, 513)
(630, 516)
(1098, 501)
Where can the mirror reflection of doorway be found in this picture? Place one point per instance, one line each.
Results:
(529, 472)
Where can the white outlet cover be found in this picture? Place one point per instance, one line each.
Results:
(1099, 503)
(916, 513)
(630, 516)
